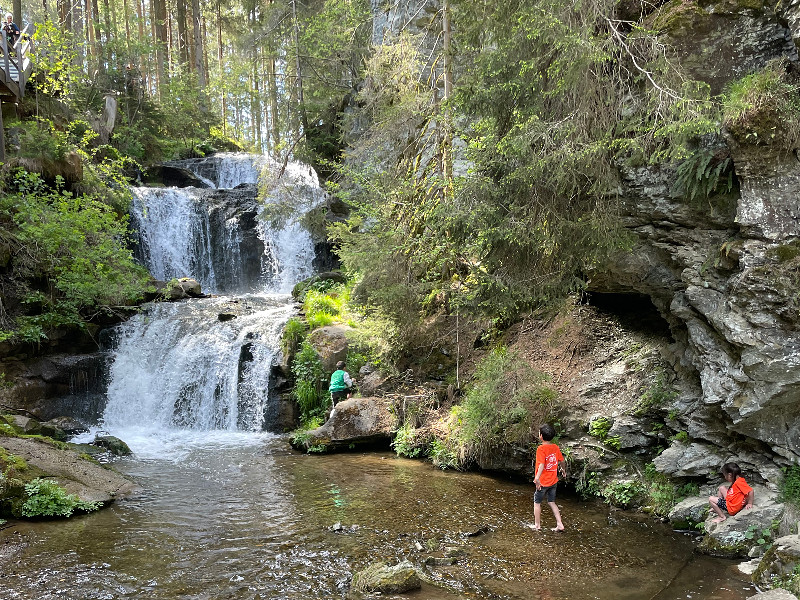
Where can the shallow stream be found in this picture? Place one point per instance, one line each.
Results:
(227, 515)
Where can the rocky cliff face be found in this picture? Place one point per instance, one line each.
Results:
(723, 273)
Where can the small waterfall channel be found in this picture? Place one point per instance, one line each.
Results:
(205, 364)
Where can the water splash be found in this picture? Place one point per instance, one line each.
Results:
(179, 366)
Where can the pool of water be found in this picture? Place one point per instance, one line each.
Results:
(243, 517)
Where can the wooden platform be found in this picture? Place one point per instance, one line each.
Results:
(15, 68)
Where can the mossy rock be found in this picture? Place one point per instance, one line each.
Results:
(384, 579)
(113, 444)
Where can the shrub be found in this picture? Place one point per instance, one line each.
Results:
(293, 332)
(405, 442)
(442, 455)
(764, 108)
(661, 494)
(312, 398)
(790, 485)
(600, 427)
(658, 394)
(507, 398)
(48, 499)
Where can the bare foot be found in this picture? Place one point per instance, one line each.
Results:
(719, 519)
(559, 529)
(534, 527)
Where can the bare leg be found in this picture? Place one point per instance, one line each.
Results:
(537, 515)
(712, 500)
(557, 514)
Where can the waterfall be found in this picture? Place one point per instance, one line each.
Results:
(180, 366)
(205, 364)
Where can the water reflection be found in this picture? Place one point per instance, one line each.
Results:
(257, 521)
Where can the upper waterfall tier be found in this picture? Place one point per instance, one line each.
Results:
(216, 235)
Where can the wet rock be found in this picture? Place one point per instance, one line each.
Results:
(68, 425)
(356, 422)
(180, 289)
(779, 561)
(776, 594)
(483, 529)
(113, 444)
(441, 561)
(384, 579)
(226, 317)
(173, 176)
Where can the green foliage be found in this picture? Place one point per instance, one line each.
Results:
(405, 442)
(600, 427)
(661, 494)
(588, 484)
(40, 139)
(506, 399)
(47, 499)
(75, 245)
(658, 394)
(764, 108)
(790, 485)
(293, 333)
(322, 308)
(310, 392)
(682, 437)
(623, 493)
(55, 68)
(442, 454)
(704, 173)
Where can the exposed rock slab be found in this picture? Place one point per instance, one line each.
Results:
(89, 481)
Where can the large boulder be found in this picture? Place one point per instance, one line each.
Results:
(736, 536)
(330, 343)
(354, 422)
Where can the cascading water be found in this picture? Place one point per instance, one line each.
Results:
(205, 364)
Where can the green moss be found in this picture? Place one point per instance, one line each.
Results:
(785, 252)
(677, 15)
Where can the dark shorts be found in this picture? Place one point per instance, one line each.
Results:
(545, 492)
(722, 504)
(336, 396)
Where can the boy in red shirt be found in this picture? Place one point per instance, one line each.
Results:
(548, 460)
(732, 498)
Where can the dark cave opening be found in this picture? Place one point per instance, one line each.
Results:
(634, 311)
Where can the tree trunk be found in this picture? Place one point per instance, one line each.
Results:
(127, 15)
(159, 13)
(101, 63)
(17, 10)
(183, 50)
(77, 29)
(301, 105)
(221, 69)
(197, 22)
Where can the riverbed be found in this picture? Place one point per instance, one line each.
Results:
(225, 515)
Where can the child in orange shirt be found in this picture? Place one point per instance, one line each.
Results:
(548, 460)
(732, 498)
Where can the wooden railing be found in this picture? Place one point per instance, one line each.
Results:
(15, 66)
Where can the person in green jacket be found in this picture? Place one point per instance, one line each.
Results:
(340, 383)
